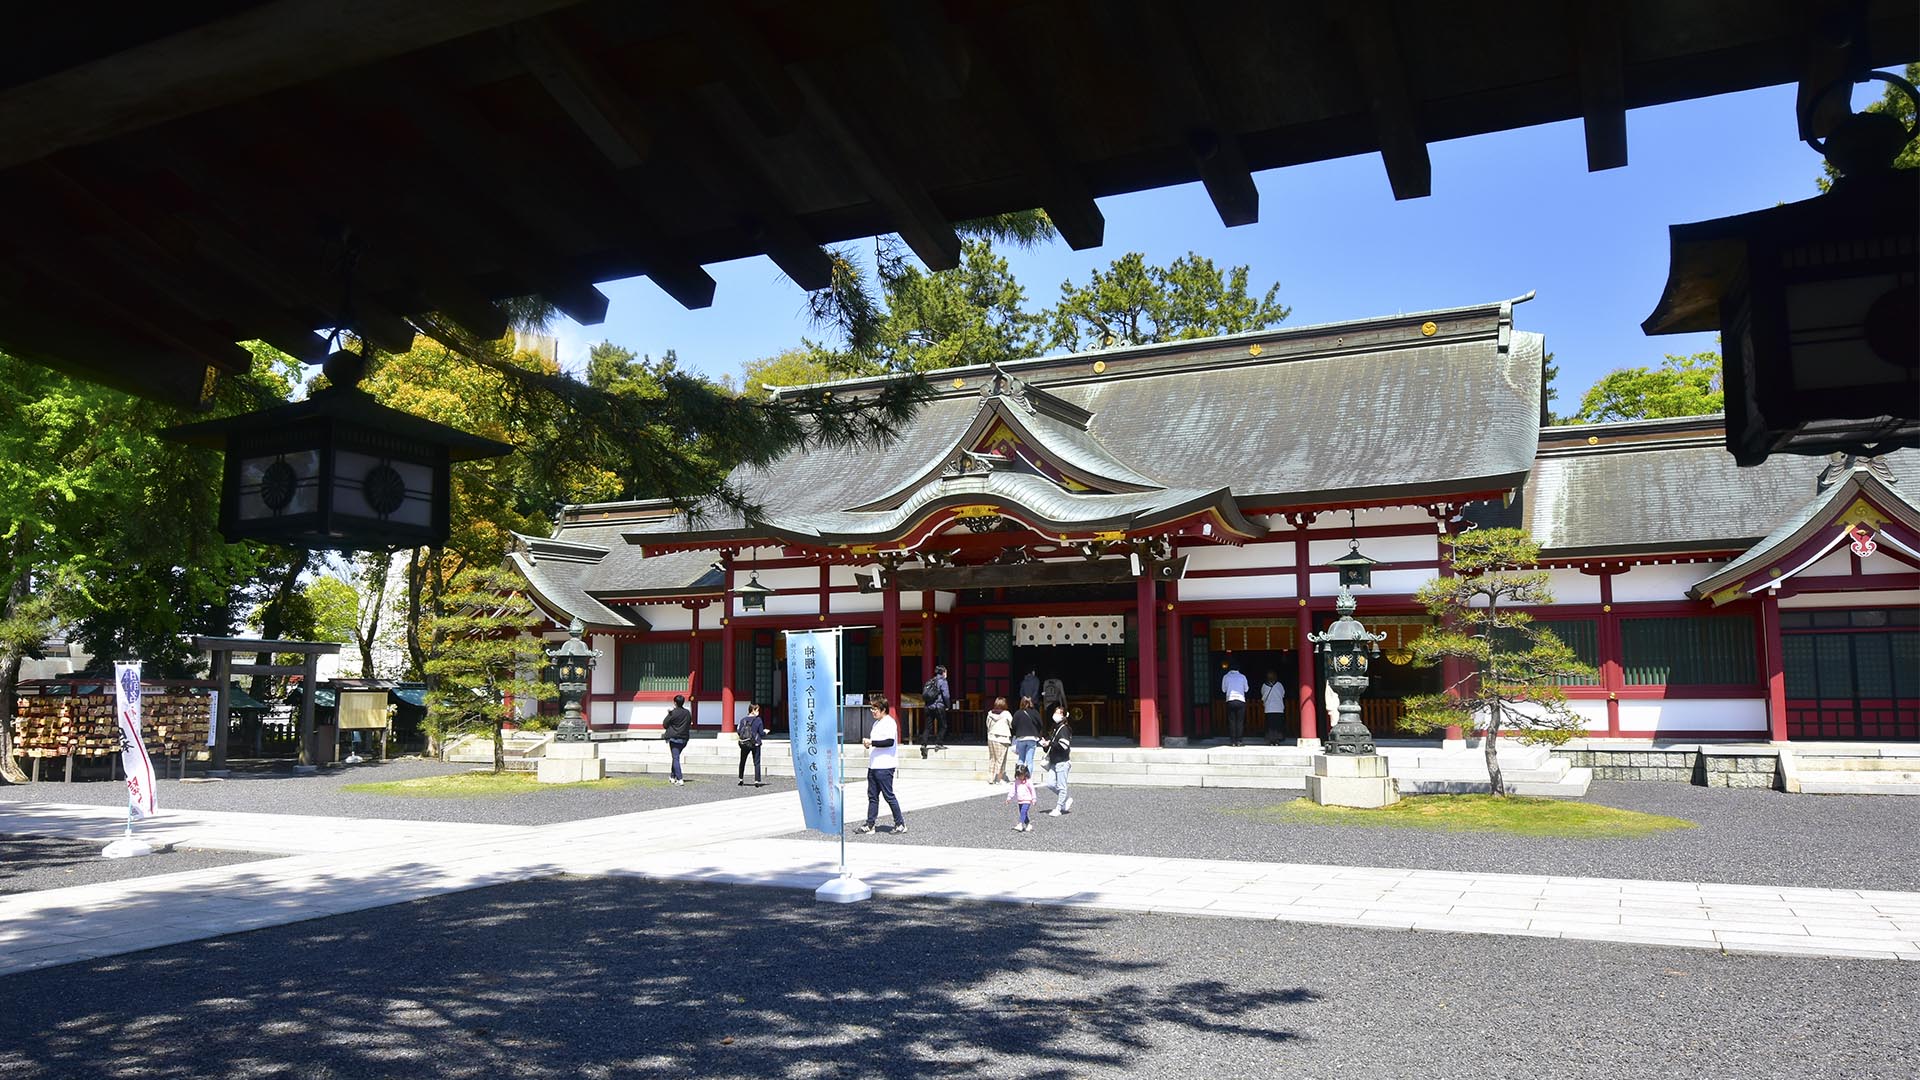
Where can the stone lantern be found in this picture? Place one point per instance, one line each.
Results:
(1349, 772)
(572, 756)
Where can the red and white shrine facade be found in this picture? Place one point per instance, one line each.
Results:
(1135, 520)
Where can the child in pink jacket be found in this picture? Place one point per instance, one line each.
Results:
(1022, 792)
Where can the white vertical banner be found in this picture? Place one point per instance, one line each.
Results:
(213, 716)
(142, 799)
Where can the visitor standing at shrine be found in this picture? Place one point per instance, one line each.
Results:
(1273, 700)
(883, 758)
(1026, 732)
(1060, 760)
(1233, 686)
(753, 729)
(936, 697)
(999, 738)
(677, 729)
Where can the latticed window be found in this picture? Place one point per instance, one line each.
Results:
(655, 666)
(710, 669)
(1710, 650)
(1199, 670)
(997, 646)
(1583, 637)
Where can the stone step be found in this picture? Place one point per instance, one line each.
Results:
(1860, 782)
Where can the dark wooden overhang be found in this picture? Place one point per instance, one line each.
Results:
(194, 174)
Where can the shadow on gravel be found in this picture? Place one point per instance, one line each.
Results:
(610, 977)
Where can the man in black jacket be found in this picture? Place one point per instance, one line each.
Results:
(679, 729)
(937, 697)
(752, 731)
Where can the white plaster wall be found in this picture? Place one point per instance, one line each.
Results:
(1378, 548)
(708, 713)
(1906, 598)
(601, 711)
(1574, 587)
(1836, 563)
(1384, 581)
(1593, 713)
(1279, 586)
(1657, 582)
(603, 674)
(667, 617)
(801, 604)
(634, 713)
(793, 577)
(1214, 557)
(848, 602)
(1737, 715)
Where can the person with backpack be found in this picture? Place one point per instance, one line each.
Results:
(1052, 692)
(937, 699)
(753, 730)
(678, 729)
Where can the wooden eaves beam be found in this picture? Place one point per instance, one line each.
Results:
(737, 172)
(1599, 55)
(1160, 40)
(881, 172)
(604, 115)
(252, 52)
(509, 182)
(994, 85)
(1372, 32)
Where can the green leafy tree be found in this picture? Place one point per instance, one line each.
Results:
(1679, 386)
(789, 367)
(1515, 668)
(1132, 303)
(972, 314)
(487, 652)
(1901, 107)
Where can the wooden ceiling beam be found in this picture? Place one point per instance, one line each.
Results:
(603, 114)
(1599, 58)
(582, 303)
(754, 73)
(514, 186)
(1024, 124)
(1375, 38)
(1181, 91)
(39, 329)
(255, 51)
(930, 51)
(881, 173)
(738, 173)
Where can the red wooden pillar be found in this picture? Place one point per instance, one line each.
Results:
(1612, 674)
(1308, 702)
(890, 646)
(1149, 666)
(1176, 668)
(927, 635)
(1776, 666)
(699, 654)
(726, 648)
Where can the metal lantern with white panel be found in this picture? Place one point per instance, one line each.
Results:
(338, 470)
(1817, 303)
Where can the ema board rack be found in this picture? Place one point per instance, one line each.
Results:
(75, 720)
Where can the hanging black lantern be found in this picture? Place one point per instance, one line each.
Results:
(1817, 304)
(1355, 568)
(753, 595)
(338, 470)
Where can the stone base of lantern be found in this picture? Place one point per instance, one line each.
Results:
(1357, 780)
(571, 763)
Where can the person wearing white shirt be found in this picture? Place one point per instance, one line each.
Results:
(1273, 698)
(883, 756)
(1234, 687)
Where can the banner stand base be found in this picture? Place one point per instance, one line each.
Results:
(846, 889)
(127, 847)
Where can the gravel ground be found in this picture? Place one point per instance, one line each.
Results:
(32, 863)
(280, 792)
(611, 978)
(1743, 837)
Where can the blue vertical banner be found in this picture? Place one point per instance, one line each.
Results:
(813, 727)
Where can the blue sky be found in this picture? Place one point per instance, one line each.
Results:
(1509, 213)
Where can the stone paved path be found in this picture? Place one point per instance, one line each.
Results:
(343, 865)
(1733, 918)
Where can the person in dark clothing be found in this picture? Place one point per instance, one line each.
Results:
(1026, 732)
(1030, 686)
(1052, 692)
(752, 731)
(1060, 760)
(679, 728)
(937, 698)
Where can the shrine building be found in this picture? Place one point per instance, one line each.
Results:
(1134, 520)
